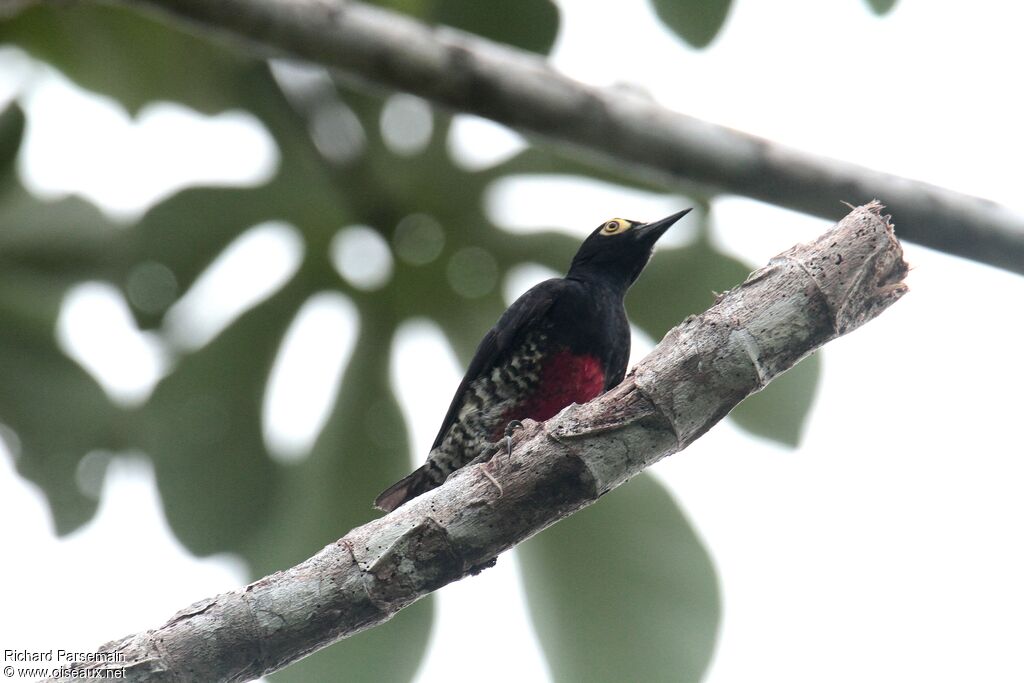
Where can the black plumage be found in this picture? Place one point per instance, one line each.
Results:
(564, 341)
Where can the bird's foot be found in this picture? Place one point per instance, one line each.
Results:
(506, 442)
(510, 429)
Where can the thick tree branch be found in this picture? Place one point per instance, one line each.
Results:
(805, 297)
(612, 126)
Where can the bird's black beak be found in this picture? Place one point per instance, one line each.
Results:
(650, 232)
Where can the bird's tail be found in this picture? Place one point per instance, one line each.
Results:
(405, 490)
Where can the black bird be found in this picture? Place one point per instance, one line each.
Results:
(564, 341)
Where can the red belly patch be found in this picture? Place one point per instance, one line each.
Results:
(564, 378)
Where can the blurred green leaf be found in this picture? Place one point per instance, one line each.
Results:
(201, 427)
(68, 239)
(54, 434)
(881, 7)
(528, 24)
(623, 591)
(363, 447)
(12, 125)
(122, 53)
(695, 21)
(59, 237)
(188, 231)
(328, 492)
(58, 412)
(781, 409)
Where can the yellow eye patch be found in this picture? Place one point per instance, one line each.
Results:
(615, 226)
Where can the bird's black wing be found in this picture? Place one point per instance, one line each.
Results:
(502, 338)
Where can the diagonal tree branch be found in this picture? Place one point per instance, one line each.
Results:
(805, 297)
(610, 126)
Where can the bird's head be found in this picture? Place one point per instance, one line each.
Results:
(617, 251)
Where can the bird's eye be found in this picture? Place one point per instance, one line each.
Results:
(616, 225)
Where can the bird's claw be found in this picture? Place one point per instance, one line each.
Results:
(510, 429)
(506, 441)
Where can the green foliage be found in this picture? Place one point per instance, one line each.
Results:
(698, 22)
(881, 7)
(623, 591)
(57, 411)
(695, 21)
(90, 42)
(527, 24)
(631, 562)
(12, 125)
(779, 411)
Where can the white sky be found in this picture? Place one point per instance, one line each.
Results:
(886, 548)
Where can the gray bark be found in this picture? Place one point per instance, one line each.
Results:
(610, 126)
(803, 298)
